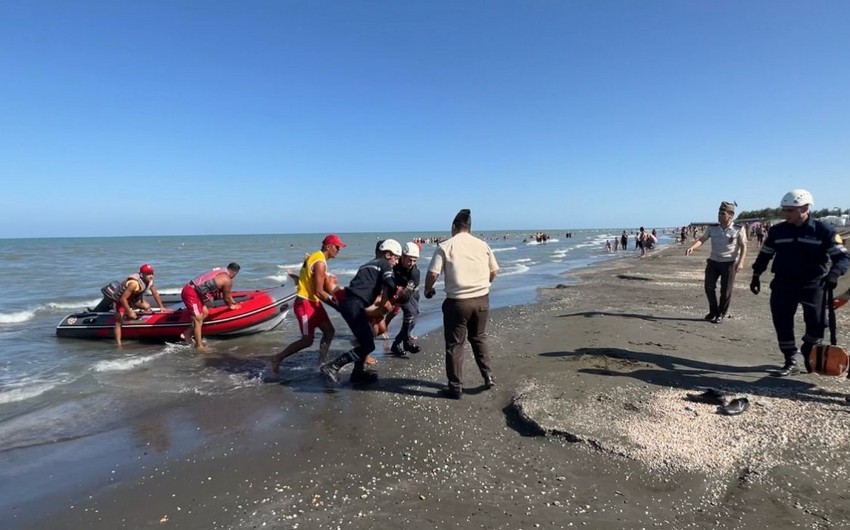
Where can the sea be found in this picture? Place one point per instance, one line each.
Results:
(54, 389)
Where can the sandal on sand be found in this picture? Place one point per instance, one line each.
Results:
(709, 397)
(735, 407)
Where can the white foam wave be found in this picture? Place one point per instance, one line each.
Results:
(279, 278)
(170, 290)
(503, 249)
(173, 347)
(345, 272)
(519, 269)
(16, 317)
(293, 266)
(125, 364)
(29, 392)
(73, 305)
(522, 260)
(594, 244)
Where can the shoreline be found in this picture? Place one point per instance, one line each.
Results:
(628, 338)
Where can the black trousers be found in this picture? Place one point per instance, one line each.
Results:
(466, 319)
(409, 310)
(785, 296)
(353, 311)
(725, 271)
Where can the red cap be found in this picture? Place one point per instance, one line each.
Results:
(145, 269)
(333, 239)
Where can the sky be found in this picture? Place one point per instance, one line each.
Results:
(209, 117)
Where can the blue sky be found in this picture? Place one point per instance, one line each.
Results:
(181, 117)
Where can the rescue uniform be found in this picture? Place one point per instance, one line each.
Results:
(308, 309)
(409, 279)
(364, 288)
(801, 260)
(201, 289)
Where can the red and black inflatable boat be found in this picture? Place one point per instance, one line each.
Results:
(259, 311)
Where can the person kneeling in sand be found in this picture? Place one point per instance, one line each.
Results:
(215, 283)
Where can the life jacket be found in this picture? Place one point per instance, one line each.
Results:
(205, 284)
(114, 290)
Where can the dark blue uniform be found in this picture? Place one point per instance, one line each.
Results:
(364, 288)
(409, 279)
(801, 260)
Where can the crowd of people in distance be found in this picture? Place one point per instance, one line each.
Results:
(644, 241)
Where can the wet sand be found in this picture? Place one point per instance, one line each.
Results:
(588, 426)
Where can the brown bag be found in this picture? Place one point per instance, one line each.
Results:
(828, 359)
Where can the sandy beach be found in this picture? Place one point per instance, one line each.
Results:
(588, 426)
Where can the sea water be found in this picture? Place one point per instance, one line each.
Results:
(54, 389)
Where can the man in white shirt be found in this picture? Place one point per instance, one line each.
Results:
(469, 266)
(728, 254)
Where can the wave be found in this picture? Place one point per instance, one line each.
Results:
(28, 392)
(294, 266)
(503, 249)
(279, 278)
(522, 260)
(73, 305)
(125, 364)
(17, 316)
(345, 272)
(518, 269)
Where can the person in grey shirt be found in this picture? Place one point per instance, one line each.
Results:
(469, 266)
(728, 254)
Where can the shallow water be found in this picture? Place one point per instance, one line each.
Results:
(55, 389)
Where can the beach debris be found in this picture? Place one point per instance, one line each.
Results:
(164, 519)
(734, 407)
(711, 396)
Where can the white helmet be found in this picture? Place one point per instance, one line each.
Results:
(391, 245)
(411, 249)
(797, 198)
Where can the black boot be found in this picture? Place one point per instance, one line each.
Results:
(790, 366)
(361, 376)
(412, 347)
(787, 370)
(397, 350)
(331, 369)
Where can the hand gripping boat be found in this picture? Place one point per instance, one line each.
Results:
(261, 310)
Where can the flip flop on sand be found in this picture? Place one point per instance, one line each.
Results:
(735, 407)
(709, 397)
